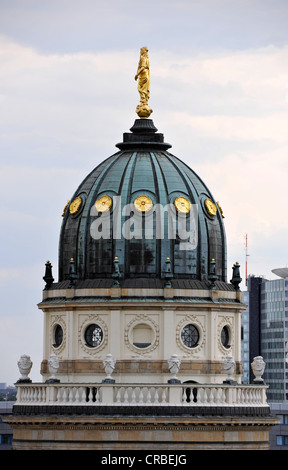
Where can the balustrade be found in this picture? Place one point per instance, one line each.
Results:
(141, 394)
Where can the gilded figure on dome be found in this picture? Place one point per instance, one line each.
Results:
(143, 77)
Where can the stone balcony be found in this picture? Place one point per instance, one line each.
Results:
(141, 399)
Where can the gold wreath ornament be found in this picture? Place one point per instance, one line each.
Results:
(75, 205)
(182, 205)
(210, 207)
(143, 203)
(103, 204)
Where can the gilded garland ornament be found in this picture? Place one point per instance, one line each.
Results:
(221, 210)
(210, 207)
(143, 203)
(65, 208)
(75, 205)
(182, 205)
(103, 204)
(143, 76)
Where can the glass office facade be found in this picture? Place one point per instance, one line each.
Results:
(274, 337)
(264, 332)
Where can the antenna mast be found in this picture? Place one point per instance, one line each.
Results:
(246, 256)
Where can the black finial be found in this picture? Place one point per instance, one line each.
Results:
(48, 278)
(116, 273)
(72, 273)
(144, 135)
(168, 273)
(212, 274)
(236, 279)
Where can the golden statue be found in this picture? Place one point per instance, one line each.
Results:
(143, 77)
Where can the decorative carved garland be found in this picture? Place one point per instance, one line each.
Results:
(139, 319)
(86, 322)
(202, 332)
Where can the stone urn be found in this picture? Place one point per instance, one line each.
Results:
(53, 366)
(174, 366)
(24, 365)
(229, 367)
(258, 367)
(109, 366)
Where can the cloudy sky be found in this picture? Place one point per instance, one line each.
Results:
(219, 93)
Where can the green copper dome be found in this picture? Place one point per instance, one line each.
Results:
(106, 214)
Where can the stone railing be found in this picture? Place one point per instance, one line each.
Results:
(56, 397)
(192, 395)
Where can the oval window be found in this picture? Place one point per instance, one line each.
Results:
(93, 335)
(225, 337)
(142, 335)
(58, 336)
(190, 336)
